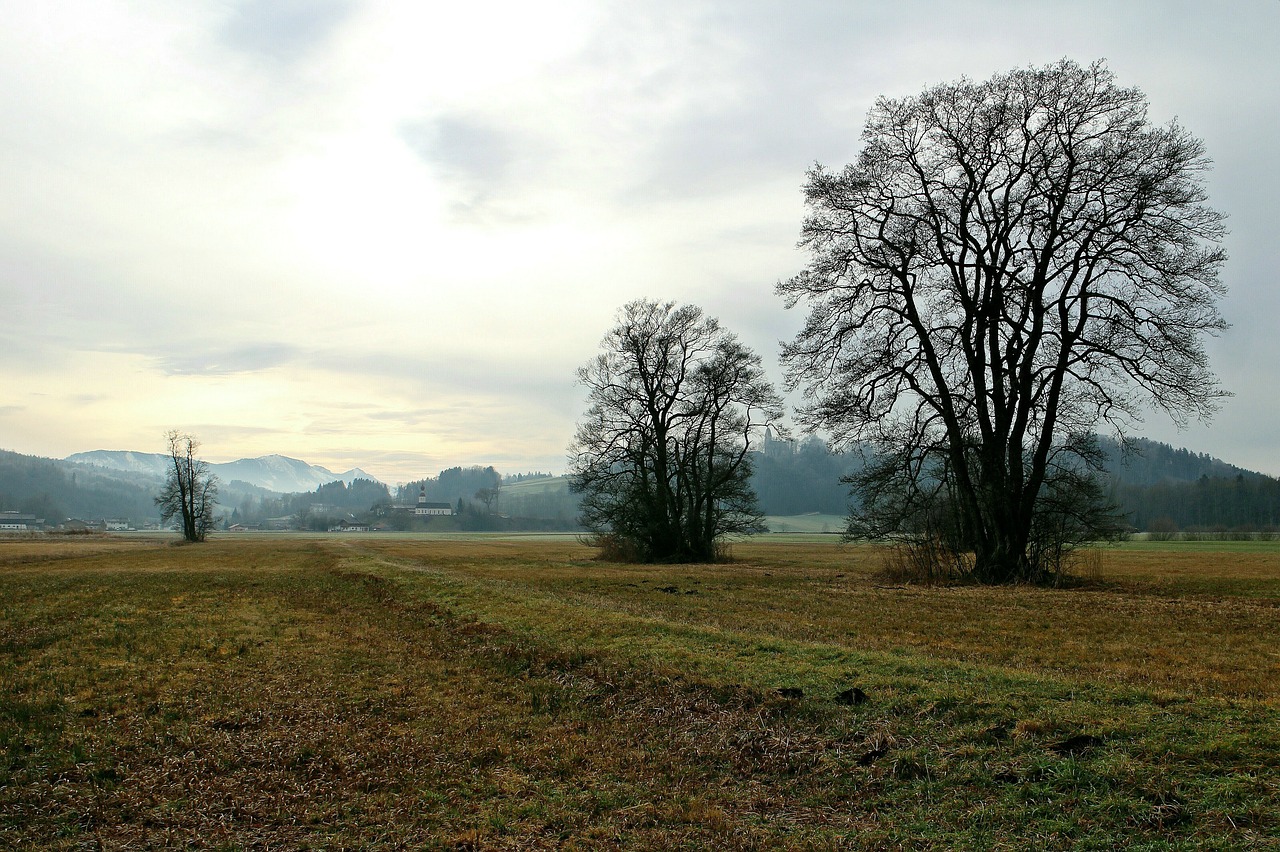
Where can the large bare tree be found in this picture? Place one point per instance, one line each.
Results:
(661, 456)
(190, 491)
(1009, 266)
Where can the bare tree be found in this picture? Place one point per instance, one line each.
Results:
(661, 456)
(489, 497)
(1009, 266)
(190, 490)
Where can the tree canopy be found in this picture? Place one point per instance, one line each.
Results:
(661, 455)
(1009, 265)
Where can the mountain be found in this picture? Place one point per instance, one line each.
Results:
(149, 464)
(283, 474)
(274, 472)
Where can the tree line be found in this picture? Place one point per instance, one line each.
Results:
(451, 485)
(1218, 505)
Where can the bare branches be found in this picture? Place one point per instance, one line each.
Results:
(190, 491)
(660, 456)
(1009, 262)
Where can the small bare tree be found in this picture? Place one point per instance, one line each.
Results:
(489, 497)
(190, 490)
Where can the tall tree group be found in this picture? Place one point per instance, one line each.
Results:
(1009, 266)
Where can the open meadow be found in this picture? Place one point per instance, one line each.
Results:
(385, 691)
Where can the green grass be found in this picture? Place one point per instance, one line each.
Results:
(1271, 546)
(432, 692)
(810, 523)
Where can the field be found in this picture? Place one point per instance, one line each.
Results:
(810, 523)
(488, 693)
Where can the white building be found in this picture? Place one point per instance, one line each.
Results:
(20, 521)
(425, 508)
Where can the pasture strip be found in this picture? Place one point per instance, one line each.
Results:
(1115, 634)
(289, 693)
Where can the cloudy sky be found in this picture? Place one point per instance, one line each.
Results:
(385, 233)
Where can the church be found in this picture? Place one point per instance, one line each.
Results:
(425, 508)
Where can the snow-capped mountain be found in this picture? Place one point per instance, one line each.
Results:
(283, 474)
(150, 464)
(273, 472)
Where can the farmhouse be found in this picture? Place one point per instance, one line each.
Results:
(20, 521)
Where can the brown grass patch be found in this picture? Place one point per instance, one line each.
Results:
(425, 693)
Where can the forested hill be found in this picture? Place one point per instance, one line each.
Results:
(1147, 462)
(56, 490)
(1163, 489)
(796, 478)
(1154, 484)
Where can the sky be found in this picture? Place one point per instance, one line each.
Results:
(385, 234)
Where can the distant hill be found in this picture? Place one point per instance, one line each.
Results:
(121, 484)
(56, 490)
(801, 480)
(274, 472)
(1154, 484)
(1146, 462)
(1162, 489)
(545, 497)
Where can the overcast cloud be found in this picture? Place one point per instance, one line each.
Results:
(386, 233)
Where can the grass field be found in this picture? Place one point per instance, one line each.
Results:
(810, 523)
(447, 693)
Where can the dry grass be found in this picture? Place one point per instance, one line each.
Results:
(423, 693)
(1189, 621)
